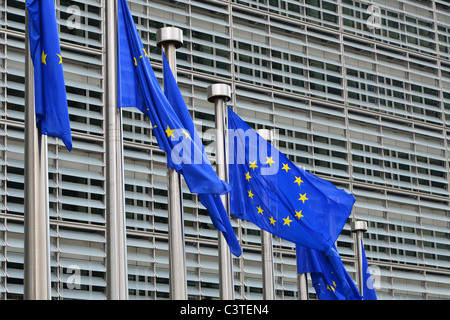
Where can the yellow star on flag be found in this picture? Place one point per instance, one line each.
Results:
(287, 221)
(253, 165)
(285, 167)
(270, 161)
(247, 176)
(250, 194)
(44, 58)
(186, 134)
(298, 180)
(169, 132)
(60, 58)
(260, 210)
(272, 220)
(298, 214)
(303, 197)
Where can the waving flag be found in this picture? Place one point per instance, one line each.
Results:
(172, 124)
(52, 113)
(329, 277)
(139, 87)
(368, 286)
(212, 203)
(273, 193)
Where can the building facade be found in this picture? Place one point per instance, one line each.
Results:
(359, 92)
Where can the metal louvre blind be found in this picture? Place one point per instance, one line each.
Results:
(141, 267)
(209, 40)
(294, 129)
(443, 32)
(361, 77)
(138, 187)
(80, 178)
(80, 22)
(252, 61)
(84, 91)
(329, 141)
(207, 271)
(79, 253)
(14, 258)
(289, 58)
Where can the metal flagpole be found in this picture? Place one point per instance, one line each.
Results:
(219, 94)
(302, 283)
(267, 247)
(171, 38)
(117, 273)
(359, 227)
(36, 220)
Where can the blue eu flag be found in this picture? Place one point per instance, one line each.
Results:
(212, 203)
(172, 124)
(273, 193)
(138, 87)
(368, 286)
(52, 113)
(329, 277)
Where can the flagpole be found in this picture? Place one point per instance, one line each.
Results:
(171, 38)
(219, 94)
(302, 283)
(117, 273)
(36, 214)
(267, 246)
(359, 227)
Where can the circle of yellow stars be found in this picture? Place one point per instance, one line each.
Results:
(302, 197)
